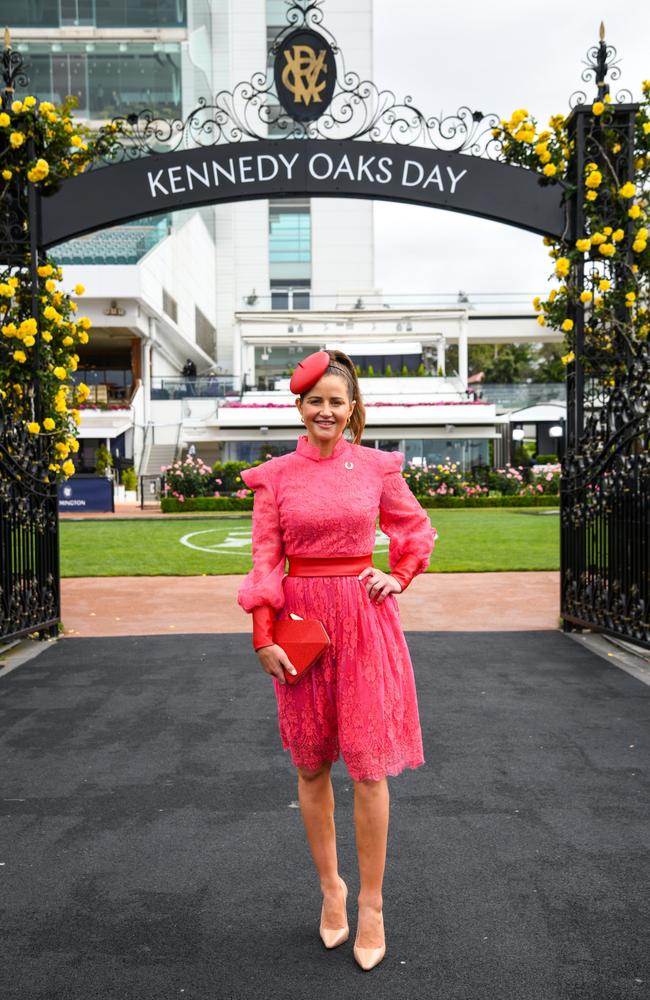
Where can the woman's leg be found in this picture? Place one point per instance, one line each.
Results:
(316, 797)
(371, 813)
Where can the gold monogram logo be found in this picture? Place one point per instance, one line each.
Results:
(300, 75)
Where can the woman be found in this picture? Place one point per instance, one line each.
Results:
(317, 506)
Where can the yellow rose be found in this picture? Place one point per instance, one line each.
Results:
(639, 246)
(68, 467)
(591, 195)
(567, 325)
(45, 270)
(583, 245)
(16, 139)
(4, 119)
(597, 239)
(50, 285)
(618, 235)
(29, 102)
(550, 170)
(62, 449)
(586, 296)
(83, 337)
(76, 140)
(628, 190)
(7, 175)
(562, 267)
(49, 424)
(20, 356)
(79, 289)
(566, 358)
(594, 179)
(60, 372)
(29, 341)
(537, 303)
(17, 107)
(46, 335)
(597, 108)
(33, 427)
(635, 211)
(541, 319)
(607, 249)
(646, 127)
(604, 285)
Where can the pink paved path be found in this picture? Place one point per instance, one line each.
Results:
(451, 602)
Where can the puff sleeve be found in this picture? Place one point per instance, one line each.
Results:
(261, 591)
(412, 538)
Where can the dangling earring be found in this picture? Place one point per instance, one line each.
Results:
(303, 419)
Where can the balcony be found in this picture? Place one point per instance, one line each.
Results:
(186, 387)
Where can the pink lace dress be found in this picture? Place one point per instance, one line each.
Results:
(359, 699)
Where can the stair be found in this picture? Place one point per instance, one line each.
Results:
(160, 454)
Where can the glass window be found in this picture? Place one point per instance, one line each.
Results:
(290, 239)
(142, 14)
(77, 12)
(108, 79)
(69, 79)
(94, 13)
(254, 451)
(30, 13)
(466, 452)
(129, 81)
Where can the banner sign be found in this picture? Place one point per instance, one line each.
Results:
(304, 167)
(91, 493)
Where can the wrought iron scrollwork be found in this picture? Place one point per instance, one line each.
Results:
(13, 71)
(358, 110)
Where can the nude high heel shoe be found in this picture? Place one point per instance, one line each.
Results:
(332, 937)
(368, 958)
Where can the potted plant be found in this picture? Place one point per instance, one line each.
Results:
(130, 484)
(103, 461)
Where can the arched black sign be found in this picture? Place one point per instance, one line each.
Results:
(313, 168)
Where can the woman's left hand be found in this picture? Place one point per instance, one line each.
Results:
(379, 584)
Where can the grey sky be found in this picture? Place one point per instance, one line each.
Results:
(492, 56)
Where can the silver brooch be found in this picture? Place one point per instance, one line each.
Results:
(349, 465)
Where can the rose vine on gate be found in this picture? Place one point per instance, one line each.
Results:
(41, 144)
(607, 270)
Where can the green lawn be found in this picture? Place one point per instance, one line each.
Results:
(497, 538)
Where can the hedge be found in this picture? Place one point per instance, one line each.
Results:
(169, 505)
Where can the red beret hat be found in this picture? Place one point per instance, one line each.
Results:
(308, 371)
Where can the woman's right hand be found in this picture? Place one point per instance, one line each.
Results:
(273, 658)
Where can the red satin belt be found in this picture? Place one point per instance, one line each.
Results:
(264, 614)
(328, 565)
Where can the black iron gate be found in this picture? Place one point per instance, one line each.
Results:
(29, 537)
(605, 482)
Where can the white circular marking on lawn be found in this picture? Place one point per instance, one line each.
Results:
(238, 541)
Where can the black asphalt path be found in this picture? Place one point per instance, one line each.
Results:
(151, 847)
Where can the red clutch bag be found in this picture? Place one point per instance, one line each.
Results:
(303, 640)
